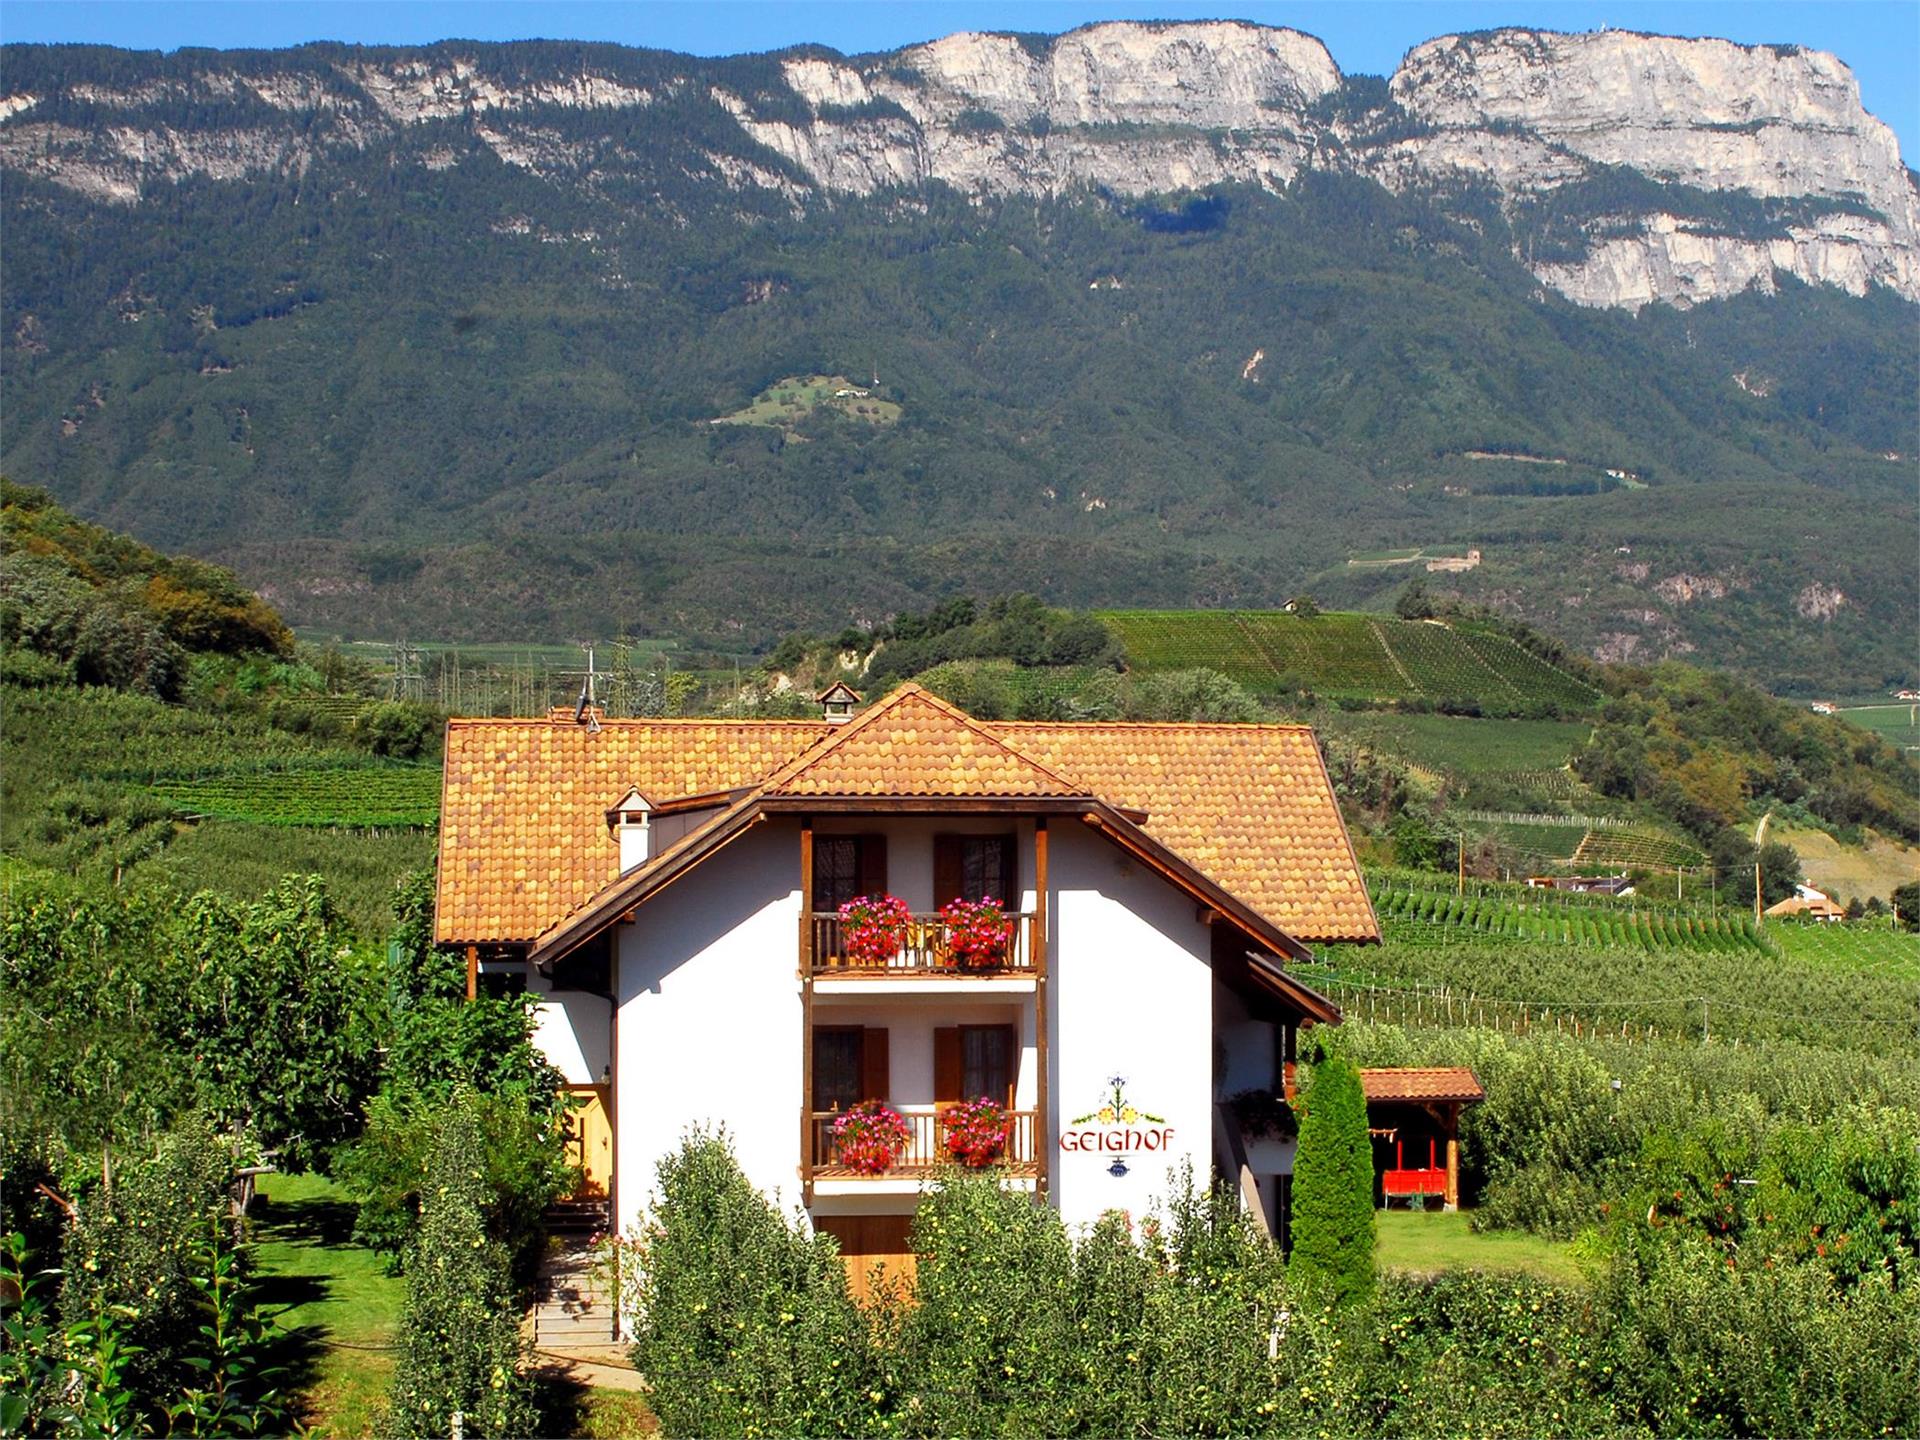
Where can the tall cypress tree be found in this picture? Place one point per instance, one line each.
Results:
(1333, 1221)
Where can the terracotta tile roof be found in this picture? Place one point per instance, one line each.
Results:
(1251, 805)
(523, 836)
(524, 842)
(1446, 1083)
(914, 743)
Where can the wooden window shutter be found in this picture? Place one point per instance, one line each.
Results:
(946, 1065)
(876, 1074)
(873, 866)
(949, 869)
(1009, 878)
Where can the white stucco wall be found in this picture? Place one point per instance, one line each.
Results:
(1132, 995)
(709, 1018)
(571, 1028)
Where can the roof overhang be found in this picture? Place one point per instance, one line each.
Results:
(1264, 975)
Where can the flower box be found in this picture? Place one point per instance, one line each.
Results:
(873, 928)
(977, 933)
(977, 1132)
(870, 1137)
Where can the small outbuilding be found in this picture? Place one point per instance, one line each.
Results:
(1413, 1116)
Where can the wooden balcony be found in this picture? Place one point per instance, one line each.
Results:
(924, 950)
(926, 1150)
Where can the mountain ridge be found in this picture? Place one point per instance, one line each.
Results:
(1235, 102)
(457, 371)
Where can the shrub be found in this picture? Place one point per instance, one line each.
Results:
(745, 1322)
(522, 1167)
(990, 1343)
(460, 1343)
(133, 1247)
(1333, 1223)
(1703, 1346)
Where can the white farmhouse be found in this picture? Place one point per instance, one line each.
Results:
(671, 889)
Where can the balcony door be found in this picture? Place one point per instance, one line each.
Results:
(974, 867)
(847, 866)
(850, 1064)
(974, 1060)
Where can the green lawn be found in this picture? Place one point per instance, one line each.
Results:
(333, 1299)
(1426, 1242)
(1899, 724)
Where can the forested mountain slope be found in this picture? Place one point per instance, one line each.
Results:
(433, 340)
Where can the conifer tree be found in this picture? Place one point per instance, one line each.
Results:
(1333, 1223)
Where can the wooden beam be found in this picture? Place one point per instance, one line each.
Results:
(473, 972)
(1043, 1116)
(806, 1090)
(806, 895)
(1452, 1199)
(806, 1011)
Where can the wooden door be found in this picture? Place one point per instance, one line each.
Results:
(875, 1249)
(590, 1141)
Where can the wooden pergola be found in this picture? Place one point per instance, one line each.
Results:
(1413, 1116)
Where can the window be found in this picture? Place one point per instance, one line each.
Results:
(850, 1064)
(974, 1060)
(986, 1062)
(846, 866)
(836, 1068)
(974, 867)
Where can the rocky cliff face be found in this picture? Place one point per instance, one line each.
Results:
(1634, 169)
(1753, 122)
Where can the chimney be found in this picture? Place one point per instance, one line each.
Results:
(837, 702)
(630, 822)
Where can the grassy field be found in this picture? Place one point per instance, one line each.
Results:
(335, 1303)
(1460, 745)
(1899, 724)
(366, 795)
(1868, 946)
(1346, 655)
(1427, 1242)
(1878, 867)
(1509, 959)
(360, 866)
(797, 396)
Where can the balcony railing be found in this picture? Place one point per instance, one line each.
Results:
(926, 1150)
(925, 949)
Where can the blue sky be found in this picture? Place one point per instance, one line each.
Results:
(1880, 39)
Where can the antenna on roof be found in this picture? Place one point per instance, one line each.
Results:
(586, 709)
